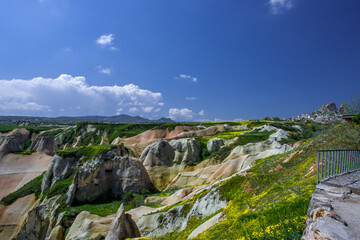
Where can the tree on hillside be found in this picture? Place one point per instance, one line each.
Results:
(353, 107)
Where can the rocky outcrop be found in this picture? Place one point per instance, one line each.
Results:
(104, 139)
(215, 144)
(186, 150)
(40, 221)
(334, 209)
(11, 141)
(60, 168)
(44, 143)
(164, 160)
(122, 226)
(59, 140)
(9, 145)
(56, 234)
(158, 153)
(108, 176)
(89, 226)
(159, 223)
(240, 159)
(328, 113)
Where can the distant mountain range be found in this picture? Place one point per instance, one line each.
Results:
(27, 120)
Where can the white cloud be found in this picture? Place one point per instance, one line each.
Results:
(133, 109)
(157, 110)
(184, 76)
(112, 48)
(161, 104)
(183, 114)
(105, 40)
(72, 96)
(278, 6)
(147, 109)
(190, 98)
(202, 113)
(104, 70)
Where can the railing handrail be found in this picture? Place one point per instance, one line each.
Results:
(335, 162)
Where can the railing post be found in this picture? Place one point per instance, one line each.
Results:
(322, 164)
(317, 169)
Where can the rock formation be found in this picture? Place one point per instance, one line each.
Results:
(44, 143)
(186, 150)
(158, 154)
(60, 168)
(40, 221)
(240, 159)
(215, 144)
(9, 145)
(328, 113)
(89, 226)
(176, 218)
(122, 226)
(108, 176)
(334, 209)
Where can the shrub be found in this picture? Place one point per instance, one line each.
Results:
(34, 186)
(356, 119)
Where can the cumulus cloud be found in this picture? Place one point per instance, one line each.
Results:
(184, 76)
(183, 114)
(202, 113)
(103, 70)
(278, 6)
(105, 40)
(190, 98)
(72, 96)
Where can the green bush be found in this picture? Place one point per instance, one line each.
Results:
(356, 118)
(34, 186)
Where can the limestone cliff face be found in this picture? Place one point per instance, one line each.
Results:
(108, 176)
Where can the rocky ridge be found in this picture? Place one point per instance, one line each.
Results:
(328, 113)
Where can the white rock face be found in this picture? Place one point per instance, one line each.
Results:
(215, 144)
(158, 154)
(264, 128)
(240, 159)
(251, 152)
(59, 169)
(186, 150)
(88, 226)
(122, 226)
(159, 224)
(40, 220)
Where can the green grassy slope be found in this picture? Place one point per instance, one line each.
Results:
(271, 200)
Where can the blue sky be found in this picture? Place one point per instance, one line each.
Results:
(190, 60)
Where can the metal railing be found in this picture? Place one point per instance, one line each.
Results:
(335, 162)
